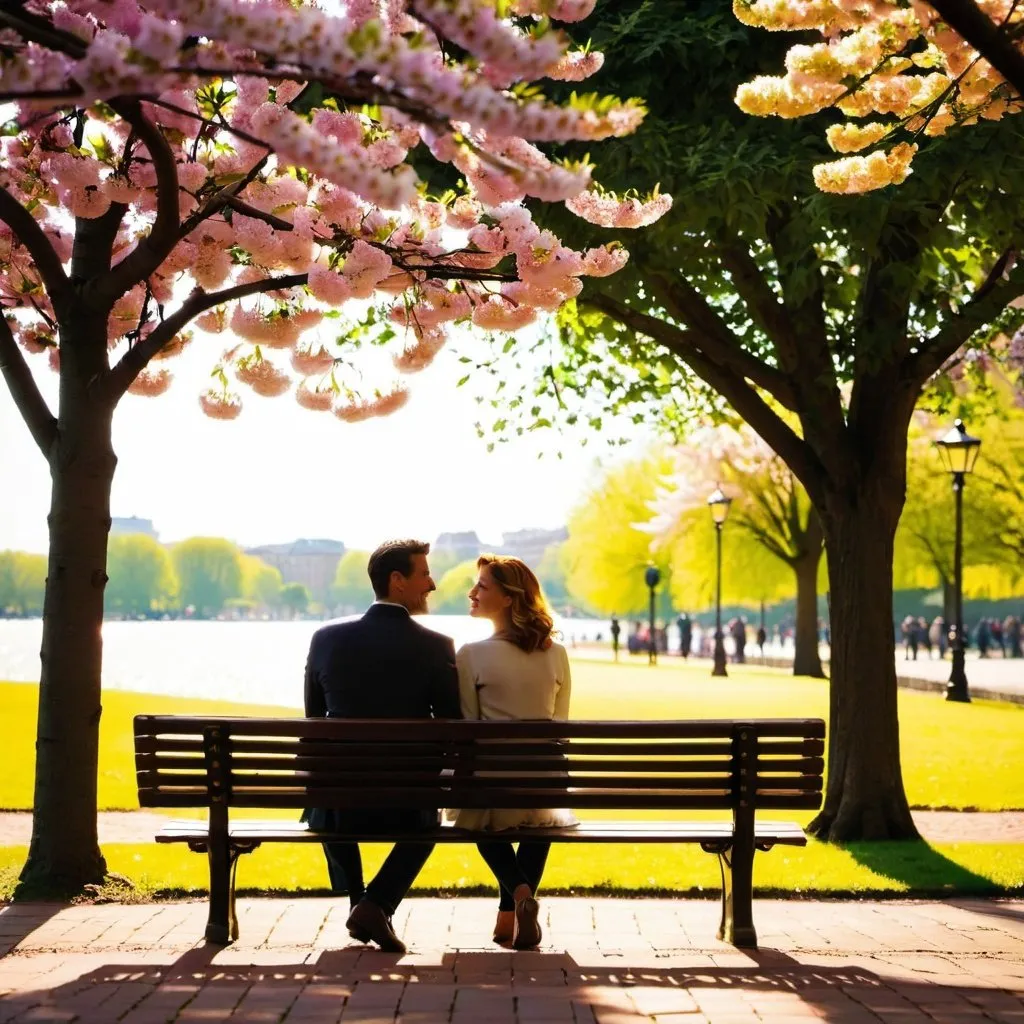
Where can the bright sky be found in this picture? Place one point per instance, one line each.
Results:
(279, 472)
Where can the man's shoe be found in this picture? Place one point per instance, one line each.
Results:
(527, 931)
(368, 923)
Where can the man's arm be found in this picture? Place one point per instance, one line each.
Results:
(444, 683)
(316, 704)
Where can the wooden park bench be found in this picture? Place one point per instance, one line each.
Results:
(736, 766)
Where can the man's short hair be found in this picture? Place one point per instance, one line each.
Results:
(393, 556)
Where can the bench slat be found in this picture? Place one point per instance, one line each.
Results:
(779, 832)
(373, 730)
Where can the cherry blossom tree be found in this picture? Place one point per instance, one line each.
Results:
(247, 167)
(769, 506)
(897, 71)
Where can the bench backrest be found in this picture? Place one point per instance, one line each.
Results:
(185, 761)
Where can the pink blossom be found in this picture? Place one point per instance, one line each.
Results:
(151, 383)
(308, 360)
(354, 409)
(498, 313)
(576, 65)
(418, 356)
(278, 330)
(262, 376)
(605, 260)
(365, 266)
(220, 405)
(314, 397)
(328, 286)
(611, 212)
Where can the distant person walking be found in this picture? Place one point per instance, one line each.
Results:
(1012, 632)
(937, 635)
(738, 631)
(685, 627)
(616, 630)
(983, 638)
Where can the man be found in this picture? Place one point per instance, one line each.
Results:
(383, 665)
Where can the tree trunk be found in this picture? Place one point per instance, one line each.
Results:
(864, 798)
(64, 854)
(806, 656)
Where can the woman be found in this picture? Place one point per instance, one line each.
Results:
(519, 672)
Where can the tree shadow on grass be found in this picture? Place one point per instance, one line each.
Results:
(354, 984)
(923, 869)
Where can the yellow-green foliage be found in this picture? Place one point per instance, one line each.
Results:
(606, 552)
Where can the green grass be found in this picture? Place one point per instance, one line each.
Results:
(954, 755)
(876, 869)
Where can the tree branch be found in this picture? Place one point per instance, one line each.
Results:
(42, 424)
(717, 341)
(763, 303)
(933, 353)
(32, 236)
(36, 29)
(155, 247)
(687, 345)
(128, 367)
(988, 38)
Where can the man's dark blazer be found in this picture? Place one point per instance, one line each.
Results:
(384, 665)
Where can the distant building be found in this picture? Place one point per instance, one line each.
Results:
(132, 524)
(530, 545)
(310, 562)
(463, 546)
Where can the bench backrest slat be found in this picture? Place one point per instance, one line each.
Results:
(293, 763)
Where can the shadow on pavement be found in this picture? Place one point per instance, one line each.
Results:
(17, 921)
(353, 984)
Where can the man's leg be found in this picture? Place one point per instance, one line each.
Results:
(345, 869)
(388, 887)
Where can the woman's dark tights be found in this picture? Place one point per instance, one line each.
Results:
(513, 868)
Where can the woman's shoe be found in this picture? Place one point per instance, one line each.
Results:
(527, 927)
(505, 926)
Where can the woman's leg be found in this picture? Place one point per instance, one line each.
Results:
(531, 858)
(501, 859)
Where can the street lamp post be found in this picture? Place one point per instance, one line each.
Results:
(719, 505)
(652, 577)
(959, 452)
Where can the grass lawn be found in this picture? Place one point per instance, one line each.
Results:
(961, 756)
(865, 869)
(954, 755)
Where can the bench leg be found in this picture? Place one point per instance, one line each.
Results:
(222, 925)
(737, 925)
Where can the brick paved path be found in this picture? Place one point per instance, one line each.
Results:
(605, 962)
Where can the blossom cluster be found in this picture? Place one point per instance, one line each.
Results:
(287, 130)
(895, 63)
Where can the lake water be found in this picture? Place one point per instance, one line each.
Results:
(259, 662)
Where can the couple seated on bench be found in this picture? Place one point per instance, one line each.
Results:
(386, 665)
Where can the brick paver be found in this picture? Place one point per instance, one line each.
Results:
(604, 961)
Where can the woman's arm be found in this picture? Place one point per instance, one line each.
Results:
(469, 698)
(564, 691)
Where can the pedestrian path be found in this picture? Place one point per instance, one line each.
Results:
(935, 826)
(603, 961)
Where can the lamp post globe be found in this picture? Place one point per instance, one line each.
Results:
(718, 503)
(652, 577)
(959, 452)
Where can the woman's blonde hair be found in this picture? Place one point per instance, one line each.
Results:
(531, 622)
